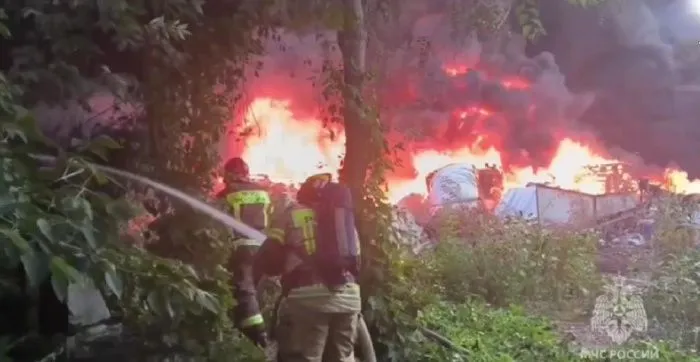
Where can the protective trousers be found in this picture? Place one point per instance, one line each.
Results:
(246, 314)
(307, 335)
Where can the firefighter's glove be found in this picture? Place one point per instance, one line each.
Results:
(257, 335)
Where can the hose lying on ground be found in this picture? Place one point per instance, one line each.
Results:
(364, 342)
(444, 341)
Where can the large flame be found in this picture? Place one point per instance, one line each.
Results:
(289, 150)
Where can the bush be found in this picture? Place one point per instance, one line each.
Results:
(485, 334)
(465, 288)
(421, 325)
(513, 262)
(481, 261)
(673, 300)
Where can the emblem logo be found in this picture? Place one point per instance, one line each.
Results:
(619, 312)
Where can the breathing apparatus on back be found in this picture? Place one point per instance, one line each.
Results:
(337, 246)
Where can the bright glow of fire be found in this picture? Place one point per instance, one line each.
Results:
(513, 83)
(288, 150)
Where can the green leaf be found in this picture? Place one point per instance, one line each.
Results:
(99, 176)
(167, 305)
(60, 267)
(89, 233)
(4, 31)
(45, 228)
(119, 209)
(207, 301)
(191, 272)
(85, 205)
(153, 302)
(13, 130)
(35, 268)
(60, 286)
(17, 240)
(114, 281)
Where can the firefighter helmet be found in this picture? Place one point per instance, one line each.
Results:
(237, 167)
(308, 192)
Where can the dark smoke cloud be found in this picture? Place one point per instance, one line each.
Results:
(608, 71)
(623, 52)
(525, 122)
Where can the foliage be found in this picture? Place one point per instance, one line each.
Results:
(513, 268)
(513, 262)
(527, 13)
(489, 335)
(484, 334)
(164, 62)
(548, 273)
(672, 298)
(175, 64)
(60, 229)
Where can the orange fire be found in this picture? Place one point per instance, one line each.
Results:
(513, 83)
(288, 150)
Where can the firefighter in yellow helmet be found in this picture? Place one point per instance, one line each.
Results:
(250, 203)
(313, 246)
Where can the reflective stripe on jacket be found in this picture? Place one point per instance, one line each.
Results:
(248, 202)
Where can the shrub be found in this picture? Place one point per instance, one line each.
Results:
(477, 332)
(513, 262)
(481, 264)
(500, 264)
(673, 300)
(486, 334)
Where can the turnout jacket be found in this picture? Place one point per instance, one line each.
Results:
(250, 203)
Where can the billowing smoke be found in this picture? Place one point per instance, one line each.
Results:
(604, 73)
(624, 52)
(489, 96)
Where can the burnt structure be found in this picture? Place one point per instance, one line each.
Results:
(615, 177)
(490, 184)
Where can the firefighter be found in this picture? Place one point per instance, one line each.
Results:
(251, 204)
(317, 260)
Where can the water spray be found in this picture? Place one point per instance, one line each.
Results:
(195, 203)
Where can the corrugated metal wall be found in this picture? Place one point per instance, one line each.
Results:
(606, 205)
(558, 206)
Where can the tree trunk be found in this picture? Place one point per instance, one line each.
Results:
(362, 145)
(352, 40)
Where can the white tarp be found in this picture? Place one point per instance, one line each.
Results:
(547, 205)
(519, 202)
(453, 184)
